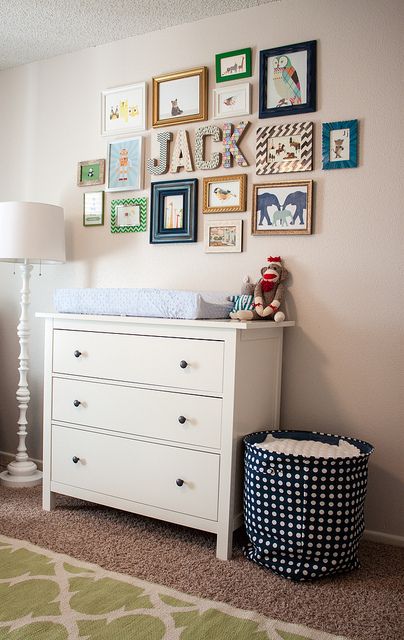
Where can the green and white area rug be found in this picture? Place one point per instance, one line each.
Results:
(49, 596)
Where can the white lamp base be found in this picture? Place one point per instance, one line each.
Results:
(21, 474)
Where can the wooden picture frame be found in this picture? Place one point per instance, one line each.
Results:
(124, 109)
(233, 65)
(93, 209)
(180, 97)
(284, 148)
(225, 194)
(223, 236)
(91, 173)
(287, 83)
(174, 211)
(340, 144)
(270, 215)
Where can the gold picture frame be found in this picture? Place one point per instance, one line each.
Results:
(180, 97)
(225, 194)
(282, 208)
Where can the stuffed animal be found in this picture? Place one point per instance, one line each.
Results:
(266, 295)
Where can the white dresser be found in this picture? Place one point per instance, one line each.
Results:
(147, 415)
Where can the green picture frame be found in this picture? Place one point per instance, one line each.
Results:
(91, 172)
(129, 215)
(93, 209)
(233, 65)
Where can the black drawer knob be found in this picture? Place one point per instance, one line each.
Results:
(182, 419)
(179, 482)
(183, 364)
(77, 354)
(76, 403)
(75, 459)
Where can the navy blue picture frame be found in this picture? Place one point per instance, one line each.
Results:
(289, 109)
(352, 160)
(160, 233)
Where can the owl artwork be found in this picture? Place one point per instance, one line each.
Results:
(286, 82)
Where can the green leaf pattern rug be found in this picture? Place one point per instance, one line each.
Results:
(49, 596)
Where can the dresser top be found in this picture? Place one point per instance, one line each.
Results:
(131, 320)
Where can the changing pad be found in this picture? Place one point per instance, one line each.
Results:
(151, 303)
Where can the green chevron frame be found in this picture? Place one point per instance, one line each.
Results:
(126, 208)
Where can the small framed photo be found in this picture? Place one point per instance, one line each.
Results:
(174, 211)
(224, 194)
(93, 209)
(285, 148)
(288, 80)
(223, 237)
(231, 101)
(124, 109)
(233, 65)
(125, 164)
(180, 97)
(91, 172)
(282, 208)
(340, 144)
(128, 215)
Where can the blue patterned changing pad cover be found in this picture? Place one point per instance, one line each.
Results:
(150, 303)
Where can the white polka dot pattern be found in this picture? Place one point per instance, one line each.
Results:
(304, 515)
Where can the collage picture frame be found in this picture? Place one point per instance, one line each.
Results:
(225, 194)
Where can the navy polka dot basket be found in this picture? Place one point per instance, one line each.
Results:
(304, 515)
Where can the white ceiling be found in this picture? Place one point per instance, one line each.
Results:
(33, 30)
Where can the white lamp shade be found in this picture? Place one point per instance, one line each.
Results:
(31, 231)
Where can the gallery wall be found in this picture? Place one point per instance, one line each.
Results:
(342, 359)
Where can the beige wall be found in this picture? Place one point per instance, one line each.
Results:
(342, 360)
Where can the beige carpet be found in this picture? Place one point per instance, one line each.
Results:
(364, 605)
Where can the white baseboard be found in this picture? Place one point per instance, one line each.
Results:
(384, 538)
(6, 458)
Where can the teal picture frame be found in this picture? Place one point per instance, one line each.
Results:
(233, 65)
(340, 144)
(125, 206)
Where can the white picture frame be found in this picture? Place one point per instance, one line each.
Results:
(223, 236)
(124, 109)
(232, 100)
(125, 164)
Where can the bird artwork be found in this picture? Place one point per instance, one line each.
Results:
(286, 82)
(229, 101)
(223, 194)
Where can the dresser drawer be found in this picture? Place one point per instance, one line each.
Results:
(178, 417)
(138, 471)
(169, 362)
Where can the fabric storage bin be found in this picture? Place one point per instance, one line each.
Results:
(303, 513)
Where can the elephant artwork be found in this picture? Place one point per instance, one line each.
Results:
(282, 207)
(265, 200)
(299, 200)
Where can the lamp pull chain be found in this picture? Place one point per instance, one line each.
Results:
(40, 267)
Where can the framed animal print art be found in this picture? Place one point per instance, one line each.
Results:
(124, 109)
(233, 65)
(180, 97)
(340, 144)
(282, 208)
(224, 194)
(285, 148)
(288, 80)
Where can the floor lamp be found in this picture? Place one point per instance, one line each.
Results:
(30, 233)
